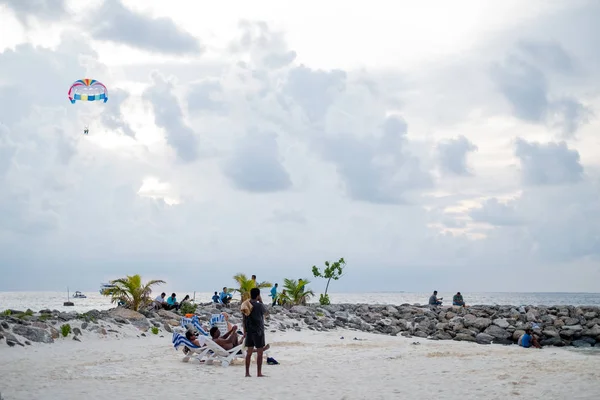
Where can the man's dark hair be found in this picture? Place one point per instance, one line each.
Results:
(253, 276)
(458, 293)
(435, 292)
(188, 335)
(163, 294)
(213, 330)
(215, 292)
(254, 293)
(528, 330)
(276, 284)
(173, 295)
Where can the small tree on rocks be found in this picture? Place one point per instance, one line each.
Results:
(331, 271)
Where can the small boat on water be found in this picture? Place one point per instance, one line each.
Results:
(79, 295)
(104, 286)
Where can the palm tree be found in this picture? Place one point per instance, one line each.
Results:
(296, 292)
(131, 291)
(246, 284)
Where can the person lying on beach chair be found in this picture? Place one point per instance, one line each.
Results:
(192, 336)
(434, 301)
(228, 341)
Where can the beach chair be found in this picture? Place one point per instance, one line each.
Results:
(219, 321)
(198, 352)
(193, 322)
(225, 357)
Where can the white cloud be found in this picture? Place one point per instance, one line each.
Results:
(249, 153)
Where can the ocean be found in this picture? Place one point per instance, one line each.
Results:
(54, 300)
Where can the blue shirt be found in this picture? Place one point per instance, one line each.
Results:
(526, 340)
(215, 298)
(273, 292)
(172, 300)
(224, 295)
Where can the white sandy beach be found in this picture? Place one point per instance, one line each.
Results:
(313, 365)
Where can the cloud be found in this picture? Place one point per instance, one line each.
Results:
(523, 79)
(548, 164)
(116, 23)
(45, 10)
(112, 117)
(494, 212)
(347, 157)
(169, 116)
(377, 169)
(203, 96)
(314, 90)
(452, 154)
(255, 165)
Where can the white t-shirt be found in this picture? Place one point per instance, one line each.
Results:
(159, 299)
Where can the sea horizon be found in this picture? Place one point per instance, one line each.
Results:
(38, 300)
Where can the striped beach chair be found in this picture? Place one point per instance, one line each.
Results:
(201, 353)
(193, 323)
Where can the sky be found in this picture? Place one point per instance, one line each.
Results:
(433, 146)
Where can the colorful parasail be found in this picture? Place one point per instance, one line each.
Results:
(88, 90)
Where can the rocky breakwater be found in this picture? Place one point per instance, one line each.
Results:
(555, 326)
(21, 328)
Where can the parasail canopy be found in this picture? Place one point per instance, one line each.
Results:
(88, 90)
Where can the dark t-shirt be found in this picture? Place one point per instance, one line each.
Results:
(254, 322)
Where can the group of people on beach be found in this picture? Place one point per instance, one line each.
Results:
(528, 339)
(457, 300)
(225, 296)
(170, 303)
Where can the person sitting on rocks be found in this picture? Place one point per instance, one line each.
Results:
(215, 298)
(528, 339)
(225, 296)
(172, 303)
(228, 341)
(434, 301)
(186, 299)
(160, 302)
(457, 300)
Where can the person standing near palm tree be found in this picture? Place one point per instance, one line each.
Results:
(254, 284)
(274, 294)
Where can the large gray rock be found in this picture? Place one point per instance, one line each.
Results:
(484, 338)
(517, 334)
(34, 334)
(121, 312)
(301, 310)
(497, 332)
(463, 337)
(501, 322)
(11, 340)
(481, 323)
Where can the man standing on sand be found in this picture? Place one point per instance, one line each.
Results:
(254, 284)
(254, 328)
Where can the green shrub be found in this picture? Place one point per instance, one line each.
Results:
(29, 312)
(154, 330)
(320, 314)
(6, 313)
(324, 300)
(65, 330)
(44, 317)
(188, 308)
